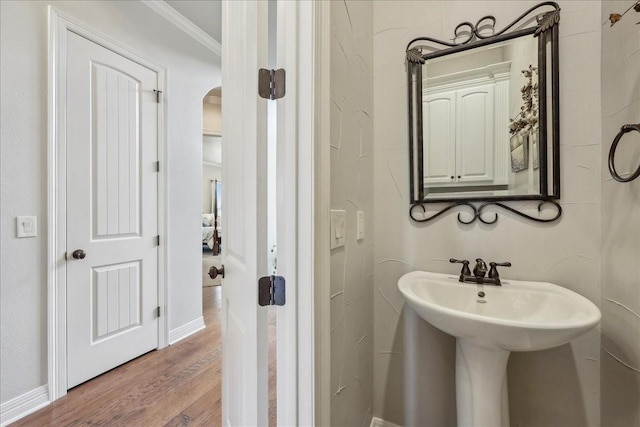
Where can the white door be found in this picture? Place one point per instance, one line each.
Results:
(112, 202)
(244, 209)
(474, 136)
(439, 144)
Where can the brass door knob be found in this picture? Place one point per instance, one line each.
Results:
(79, 254)
(214, 271)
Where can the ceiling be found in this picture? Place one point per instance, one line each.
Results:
(206, 14)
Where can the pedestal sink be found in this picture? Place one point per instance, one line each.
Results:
(517, 316)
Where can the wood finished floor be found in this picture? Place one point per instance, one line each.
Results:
(176, 386)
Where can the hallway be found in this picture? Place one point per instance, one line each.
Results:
(177, 386)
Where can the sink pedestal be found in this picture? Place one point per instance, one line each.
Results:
(521, 316)
(481, 385)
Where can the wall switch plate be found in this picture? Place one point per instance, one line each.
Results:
(360, 226)
(27, 226)
(338, 228)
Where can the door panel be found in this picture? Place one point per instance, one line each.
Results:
(112, 203)
(439, 113)
(244, 142)
(115, 152)
(475, 141)
(116, 299)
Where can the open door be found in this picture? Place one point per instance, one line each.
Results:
(247, 32)
(244, 253)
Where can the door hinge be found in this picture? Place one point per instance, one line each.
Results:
(158, 311)
(158, 240)
(157, 166)
(271, 83)
(157, 92)
(271, 290)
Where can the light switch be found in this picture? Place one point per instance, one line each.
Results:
(360, 226)
(338, 228)
(27, 226)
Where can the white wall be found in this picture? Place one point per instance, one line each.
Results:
(620, 355)
(192, 71)
(414, 362)
(212, 115)
(351, 81)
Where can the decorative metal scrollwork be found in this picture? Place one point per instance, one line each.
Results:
(477, 212)
(612, 154)
(471, 32)
(415, 56)
(547, 21)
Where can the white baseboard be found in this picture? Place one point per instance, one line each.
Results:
(23, 405)
(379, 422)
(181, 332)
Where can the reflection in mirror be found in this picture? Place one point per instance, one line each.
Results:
(483, 113)
(479, 110)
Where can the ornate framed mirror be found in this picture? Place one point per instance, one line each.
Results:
(484, 118)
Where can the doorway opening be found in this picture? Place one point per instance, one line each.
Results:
(212, 226)
(211, 185)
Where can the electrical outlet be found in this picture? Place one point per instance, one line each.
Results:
(338, 228)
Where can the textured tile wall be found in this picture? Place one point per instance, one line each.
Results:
(413, 362)
(620, 352)
(351, 80)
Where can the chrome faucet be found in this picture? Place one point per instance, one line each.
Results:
(480, 271)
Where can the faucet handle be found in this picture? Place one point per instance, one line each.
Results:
(465, 266)
(501, 264)
(493, 273)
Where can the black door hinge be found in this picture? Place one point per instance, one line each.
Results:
(271, 290)
(157, 92)
(271, 83)
(158, 311)
(157, 166)
(158, 240)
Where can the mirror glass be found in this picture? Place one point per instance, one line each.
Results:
(480, 121)
(484, 111)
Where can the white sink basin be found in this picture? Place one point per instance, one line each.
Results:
(517, 316)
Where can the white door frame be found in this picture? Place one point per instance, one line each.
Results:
(59, 24)
(290, 180)
(320, 324)
(303, 255)
(306, 118)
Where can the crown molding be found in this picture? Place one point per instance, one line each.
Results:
(180, 21)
